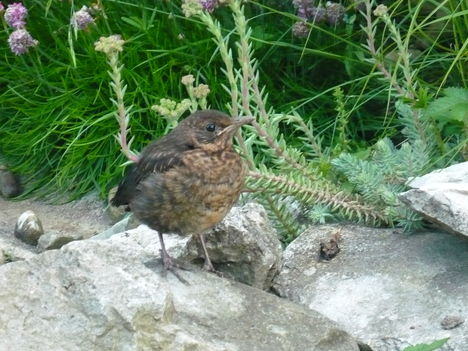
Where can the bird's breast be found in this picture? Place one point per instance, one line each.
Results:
(194, 196)
(214, 168)
(206, 187)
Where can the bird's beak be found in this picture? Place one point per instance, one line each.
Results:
(243, 120)
(234, 127)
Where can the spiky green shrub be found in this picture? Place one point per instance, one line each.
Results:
(313, 98)
(382, 175)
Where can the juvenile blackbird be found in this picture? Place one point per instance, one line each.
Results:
(187, 181)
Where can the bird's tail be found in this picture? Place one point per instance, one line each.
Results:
(127, 189)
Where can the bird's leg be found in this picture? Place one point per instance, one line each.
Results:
(207, 266)
(168, 262)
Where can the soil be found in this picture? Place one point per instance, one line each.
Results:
(87, 216)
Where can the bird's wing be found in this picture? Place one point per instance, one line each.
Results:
(159, 161)
(158, 157)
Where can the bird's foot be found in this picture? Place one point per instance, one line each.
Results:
(172, 266)
(208, 266)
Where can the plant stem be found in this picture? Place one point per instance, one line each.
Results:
(122, 113)
(370, 31)
(226, 55)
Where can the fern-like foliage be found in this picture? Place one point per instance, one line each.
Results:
(281, 215)
(416, 128)
(311, 192)
(380, 178)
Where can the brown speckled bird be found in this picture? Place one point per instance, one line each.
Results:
(187, 181)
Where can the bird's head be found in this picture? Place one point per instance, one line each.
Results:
(211, 129)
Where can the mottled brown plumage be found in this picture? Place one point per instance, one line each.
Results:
(187, 181)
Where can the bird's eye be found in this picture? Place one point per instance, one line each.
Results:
(211, 127)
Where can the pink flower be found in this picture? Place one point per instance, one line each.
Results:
(2, 8)
(335, 13)
(20, 41)
(82, 18)
(15, 15)
(209, 5)
(303, 8)
(300, 29)
(318, 14)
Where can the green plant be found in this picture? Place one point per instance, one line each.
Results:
(450, 115)
(56, 118)
(326, 107)
(111, 46)
(7, 257)
(380, 178)
(427, 347)
(382, 175)
(279, 172)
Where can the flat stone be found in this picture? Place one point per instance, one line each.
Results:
(127, 223)
(56, 239)
(388, 288)
(113, 295)
(11, 249)
(454, 174)
(441, 197)
(244, 245)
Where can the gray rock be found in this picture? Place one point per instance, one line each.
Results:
(12, 252)
(450, 322)
(9, 183)
(389, 289)
(56, 239)
(12, 249)
(28, 228)
(244, 245)
(442, 197)
(115, 213)
(127, 223)
(112, 295)
(457, 174)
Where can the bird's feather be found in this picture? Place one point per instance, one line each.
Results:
(157, 157)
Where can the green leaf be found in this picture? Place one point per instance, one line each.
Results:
(452, 107)
(427, 347)
(137, 22)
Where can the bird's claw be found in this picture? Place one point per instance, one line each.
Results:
(208, 267)
(172, 266)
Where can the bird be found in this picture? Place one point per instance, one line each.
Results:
(187, 181)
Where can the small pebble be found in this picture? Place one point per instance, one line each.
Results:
(451, 322)
(28, 228)
(9, 183)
